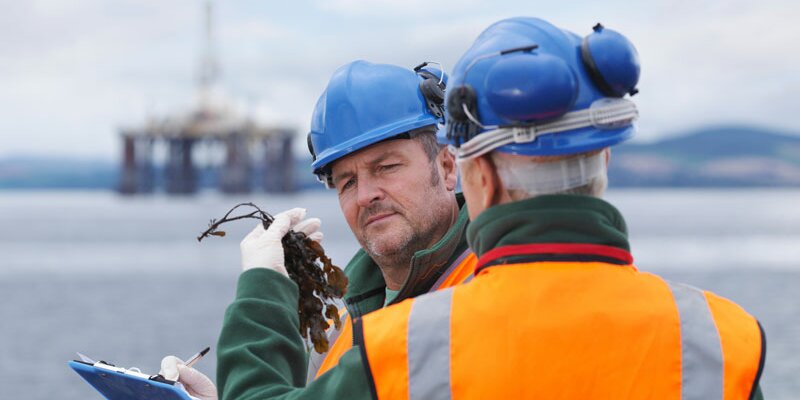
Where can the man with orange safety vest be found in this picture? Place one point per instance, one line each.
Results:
(373, 139)
(556, 309)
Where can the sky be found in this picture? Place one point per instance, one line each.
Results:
(73, 72)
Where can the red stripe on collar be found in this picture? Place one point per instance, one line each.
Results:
(555, 248)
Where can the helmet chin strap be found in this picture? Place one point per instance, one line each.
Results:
(538, 178)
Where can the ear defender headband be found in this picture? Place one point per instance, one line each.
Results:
(527, 87)
(311, 147)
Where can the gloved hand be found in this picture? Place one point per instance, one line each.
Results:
(197, 384)
(263, 249)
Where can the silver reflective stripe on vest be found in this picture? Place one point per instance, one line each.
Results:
(429, 346)
(315, 359)
(450, 269)
(701, 349)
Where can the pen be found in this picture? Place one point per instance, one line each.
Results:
(195, 358)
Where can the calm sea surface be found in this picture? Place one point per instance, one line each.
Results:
(124, 280)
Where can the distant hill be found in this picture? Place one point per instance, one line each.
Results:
(33, 172)
(732, 156)
(56, 173)
(713, 157)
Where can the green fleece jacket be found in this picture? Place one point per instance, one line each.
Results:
(260, 353)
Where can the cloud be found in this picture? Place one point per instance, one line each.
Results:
(722, 63)
(74, 71)
(392, 8)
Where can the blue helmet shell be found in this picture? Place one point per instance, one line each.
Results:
(363, 104)
(541, 84)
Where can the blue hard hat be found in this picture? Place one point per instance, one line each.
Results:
(365, 103)
(540, 90)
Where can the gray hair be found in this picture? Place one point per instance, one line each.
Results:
(526, 177)
(427, 137)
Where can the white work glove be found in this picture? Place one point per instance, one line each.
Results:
(263, 248)
(195, 383)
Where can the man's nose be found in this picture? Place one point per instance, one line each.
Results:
(368, 191)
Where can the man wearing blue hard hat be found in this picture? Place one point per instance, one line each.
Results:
(556, 309)
(373, 139)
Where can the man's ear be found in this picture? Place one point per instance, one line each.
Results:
(490, 182)
(608, 155)
(447, 162)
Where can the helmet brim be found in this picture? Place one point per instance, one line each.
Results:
(359, 142)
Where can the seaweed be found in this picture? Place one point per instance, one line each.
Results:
(319, 281)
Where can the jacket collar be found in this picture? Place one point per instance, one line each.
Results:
(563, 219)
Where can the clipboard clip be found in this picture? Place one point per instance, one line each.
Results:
(128, 371)
(160, 378)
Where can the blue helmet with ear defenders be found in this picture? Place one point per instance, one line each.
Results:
(527, 87)
(365, 103)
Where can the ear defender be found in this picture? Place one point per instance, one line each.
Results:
(460, 126)
(522, 86)
(611, 61)
(432, 88)
(526, 86)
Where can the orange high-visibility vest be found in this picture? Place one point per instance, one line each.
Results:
(461, 270)
(549, 327)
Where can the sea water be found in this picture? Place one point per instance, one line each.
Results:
(124, 279)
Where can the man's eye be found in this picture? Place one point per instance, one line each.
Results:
(347, 185)
(388, 167)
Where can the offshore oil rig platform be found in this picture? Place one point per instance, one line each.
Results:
(239, 155)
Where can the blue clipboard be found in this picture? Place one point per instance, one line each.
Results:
(116, 383)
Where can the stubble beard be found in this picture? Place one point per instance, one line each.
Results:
(390, 247)
(396, 248)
